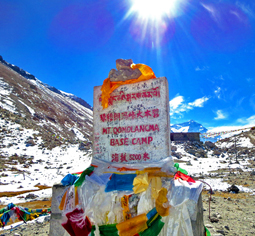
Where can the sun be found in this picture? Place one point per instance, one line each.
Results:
(153, 9)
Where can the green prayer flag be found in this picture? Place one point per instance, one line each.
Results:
(176, 165)
(207, 232)
(154, 228)
(88, 171)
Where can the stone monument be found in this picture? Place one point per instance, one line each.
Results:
(133, 129)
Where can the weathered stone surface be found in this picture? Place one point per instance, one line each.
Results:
(56, 215)
(123, 63)
(198, 223)
(135, 127)
(124, 71)
(124, 74)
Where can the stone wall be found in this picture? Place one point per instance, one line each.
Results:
(194, 136)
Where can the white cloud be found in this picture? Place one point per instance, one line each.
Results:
(178, 105)
(175, 102)
(247, 121)
(217, 92)
(220, 115)
(201, 68)
(198, 102)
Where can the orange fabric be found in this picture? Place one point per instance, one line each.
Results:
(62, 203)
(133, 226)
(125, 206)
(149, 170)
(124, 168)
(108, 87)
(76, 196)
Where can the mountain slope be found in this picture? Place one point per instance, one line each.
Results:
(34, 105)
(29, 76)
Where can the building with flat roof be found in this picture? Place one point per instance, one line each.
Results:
(191, 136)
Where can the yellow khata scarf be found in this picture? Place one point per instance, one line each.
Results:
(108, 87)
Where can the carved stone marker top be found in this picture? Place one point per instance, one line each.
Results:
(124, 71)
(135, 127)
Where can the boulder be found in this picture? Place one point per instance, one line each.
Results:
(209, 144)
(233, 188)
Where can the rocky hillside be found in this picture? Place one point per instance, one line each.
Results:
(241, 145)
(57, 116)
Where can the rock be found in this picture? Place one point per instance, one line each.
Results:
(31, 196)
(173, 148)
(201, 153)
(124, 75)
(208, 226)
(233, 188)
(83, 147)
(216, 152)
(209, 144)
(191, 151)
(226, 227)
(30, 142)
(123, 64)
(221, 232)
(124, 71)
(188, 163)
(214, 220)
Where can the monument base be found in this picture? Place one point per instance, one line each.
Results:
(56, 214)
(102, 202)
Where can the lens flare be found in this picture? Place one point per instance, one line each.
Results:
(153, 9)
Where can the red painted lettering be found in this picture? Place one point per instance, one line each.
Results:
(146, 156)
(104, 131)
(150, 139)
(126, 141)
(147, 113)
(147, 128)
(139, 114)
(123, 157)
(103, 117)
(115, 130)
(144, 140)
(116, 116)
(112, 142)
(155, 113)
(119, 142)
(124, 129)
(132, 115)
(133, 141)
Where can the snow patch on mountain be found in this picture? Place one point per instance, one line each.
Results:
(189, 126)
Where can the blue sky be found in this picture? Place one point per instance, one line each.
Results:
(206, 49)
